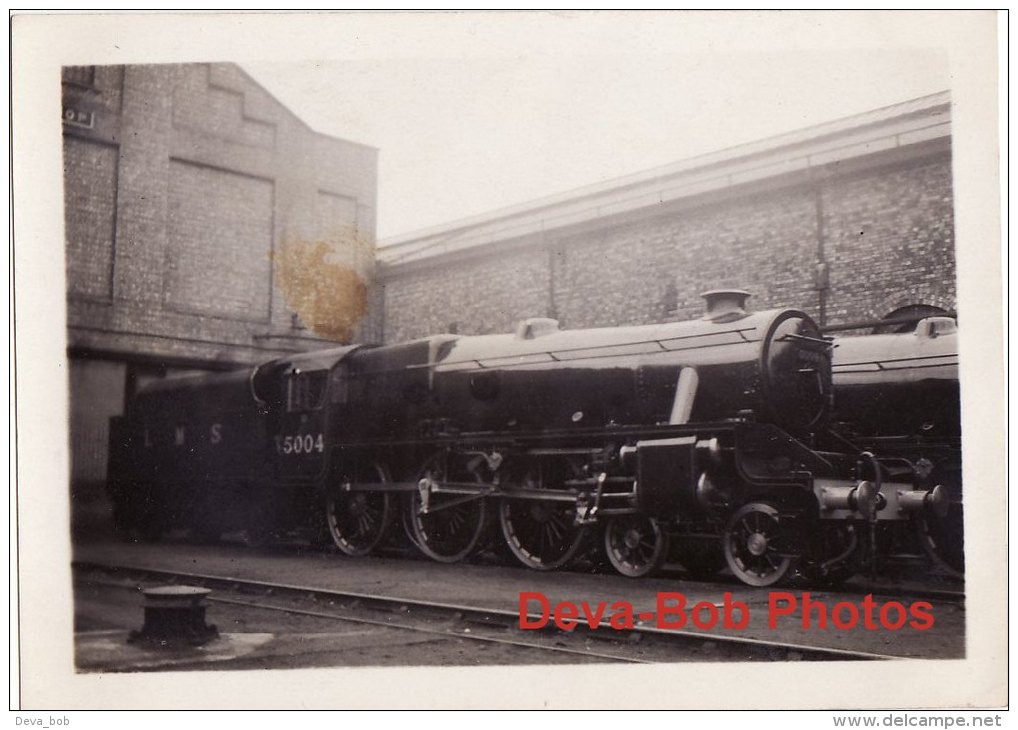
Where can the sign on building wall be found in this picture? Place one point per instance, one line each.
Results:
(78, 117)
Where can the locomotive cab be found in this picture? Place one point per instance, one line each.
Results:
(308, 389)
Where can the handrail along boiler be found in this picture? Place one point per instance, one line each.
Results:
(707, 438)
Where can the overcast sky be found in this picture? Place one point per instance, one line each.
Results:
(462, 133)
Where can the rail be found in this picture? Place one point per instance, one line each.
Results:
(746, 648)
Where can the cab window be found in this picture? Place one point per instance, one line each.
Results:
(305, 390)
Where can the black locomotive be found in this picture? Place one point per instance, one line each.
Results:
(897, 394)
(708, 437)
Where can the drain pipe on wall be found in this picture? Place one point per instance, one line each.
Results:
(821, 271)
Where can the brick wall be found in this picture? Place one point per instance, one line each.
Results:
(653, 271)
(885, 231)
(219, 243)
(183, 184)
(475, 297)
(91, 208)
(890, 241)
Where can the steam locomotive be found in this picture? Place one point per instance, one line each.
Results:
(706, 438)
(897, 394)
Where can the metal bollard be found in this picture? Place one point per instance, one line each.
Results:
(174, 616)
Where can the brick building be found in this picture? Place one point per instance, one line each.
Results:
(197, 208)
(850, 220)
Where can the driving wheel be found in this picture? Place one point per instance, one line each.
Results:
(541, 534)
(358, 520)
(448, 527)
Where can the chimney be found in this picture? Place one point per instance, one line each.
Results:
(725, 305)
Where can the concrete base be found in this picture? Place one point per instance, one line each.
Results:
(109, 651)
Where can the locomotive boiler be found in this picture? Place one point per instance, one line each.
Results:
(898, 394)
(708, 436)
(899, 386)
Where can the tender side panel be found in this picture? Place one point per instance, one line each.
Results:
(200, 447)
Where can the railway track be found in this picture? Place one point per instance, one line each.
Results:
(643, 644)
(859, 585)
(863, 586)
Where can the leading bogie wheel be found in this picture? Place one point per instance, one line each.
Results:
(753, 545)
(635, 545)
(834, 560)
(358, 520)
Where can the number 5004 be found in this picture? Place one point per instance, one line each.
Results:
(300, 444)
